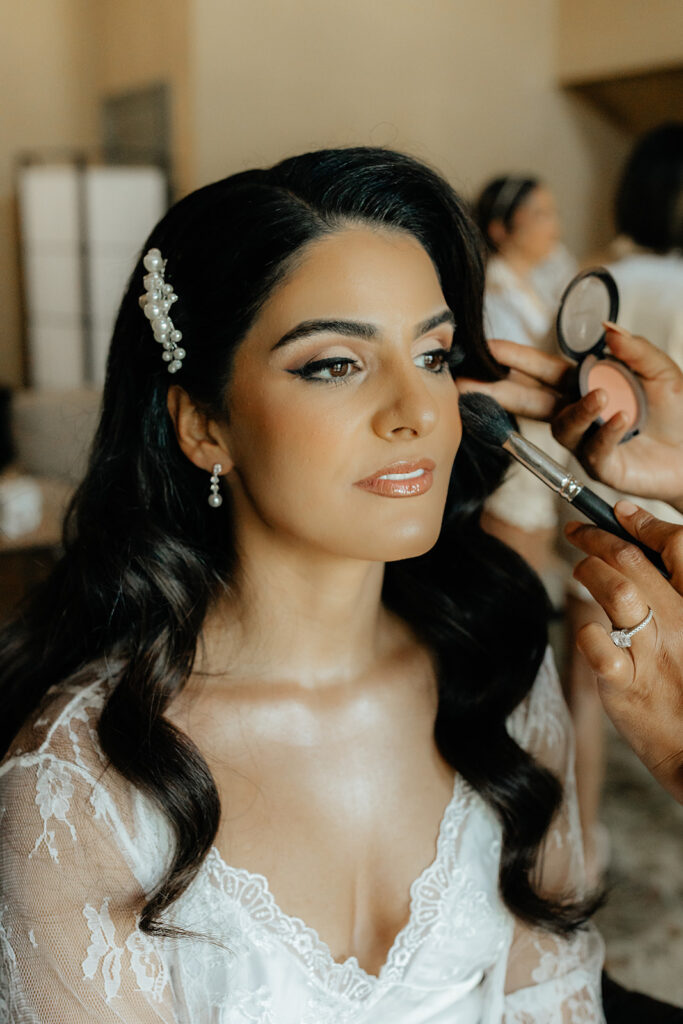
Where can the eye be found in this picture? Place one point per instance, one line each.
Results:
(331, 370)
(435, 361)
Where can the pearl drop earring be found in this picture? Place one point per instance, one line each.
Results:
(215, 500)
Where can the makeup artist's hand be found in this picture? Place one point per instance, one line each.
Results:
(641, 686)
(540, 386)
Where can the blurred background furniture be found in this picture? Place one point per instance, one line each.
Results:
(81, 229)
(52, 431)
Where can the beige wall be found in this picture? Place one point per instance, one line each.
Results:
(46, 79)
(604, 38)
(141, 44)
(59, 57)
(465, 84)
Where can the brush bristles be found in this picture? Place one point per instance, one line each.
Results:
(483, 417)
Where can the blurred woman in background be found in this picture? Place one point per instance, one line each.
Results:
(526, 273)
(649, 220)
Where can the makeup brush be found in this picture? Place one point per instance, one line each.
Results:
(483, 417)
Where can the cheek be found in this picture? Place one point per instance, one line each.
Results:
(283, 448)
(451, 421)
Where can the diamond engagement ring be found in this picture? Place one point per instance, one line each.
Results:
(622, 637)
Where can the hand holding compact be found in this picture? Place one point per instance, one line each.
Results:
(540, 386)
(639, 663)
(651, 464)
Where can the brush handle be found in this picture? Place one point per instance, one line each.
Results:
(602, 514)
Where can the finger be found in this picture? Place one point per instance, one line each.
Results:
(596, 449)
(619, 597)
(640, 355)
(608, 662)
(532, 401)
(547, 368)
(620, 555)
(666, 538)
(573, 421)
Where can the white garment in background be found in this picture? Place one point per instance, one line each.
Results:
(651, 298)
(515, 311)
(80, 845)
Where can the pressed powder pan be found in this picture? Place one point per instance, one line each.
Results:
(589, 299)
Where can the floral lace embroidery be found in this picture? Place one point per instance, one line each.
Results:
(428, 890)
(103, 948)
(8, 964)
(250, 1007)
(54, 790)
(148, 967)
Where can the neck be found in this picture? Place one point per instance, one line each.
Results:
(296, 615)
(518, 262)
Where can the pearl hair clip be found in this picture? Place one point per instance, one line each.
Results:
(156, 303)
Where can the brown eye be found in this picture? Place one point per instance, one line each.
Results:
(339, 369)
(434, 361)
(328, 369)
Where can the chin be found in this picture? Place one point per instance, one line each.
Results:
(412, 540)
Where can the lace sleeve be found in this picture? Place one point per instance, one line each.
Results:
(551, 979)
(70, 948)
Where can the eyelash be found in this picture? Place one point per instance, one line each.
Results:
(450, 359)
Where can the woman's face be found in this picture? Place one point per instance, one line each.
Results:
(344, 419)
(535, 228)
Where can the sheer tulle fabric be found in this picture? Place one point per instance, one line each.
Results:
(79, 847)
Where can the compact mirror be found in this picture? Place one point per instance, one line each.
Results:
(589, 299)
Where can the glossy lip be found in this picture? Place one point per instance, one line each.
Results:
(419, 473)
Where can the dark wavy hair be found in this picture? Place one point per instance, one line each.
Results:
(499, 200)
(145, 556)
(649, 199)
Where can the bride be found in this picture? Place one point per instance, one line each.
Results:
(283, 740)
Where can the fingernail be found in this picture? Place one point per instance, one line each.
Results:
(611, 326)
(619, 421)
(595, 400)
(571, 527)
(626, 508)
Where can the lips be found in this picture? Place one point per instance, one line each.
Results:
(402, 479)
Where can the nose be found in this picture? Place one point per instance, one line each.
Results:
(407, 408)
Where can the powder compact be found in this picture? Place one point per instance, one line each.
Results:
(591, 297)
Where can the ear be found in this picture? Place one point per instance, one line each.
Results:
(203, 439)
(497, 232)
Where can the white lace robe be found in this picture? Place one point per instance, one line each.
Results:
(79, 847)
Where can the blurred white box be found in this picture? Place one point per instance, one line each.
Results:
(21, 506)
(82, 230)
(56, 360)
(48, 200)
(53, 286)
(124, 204)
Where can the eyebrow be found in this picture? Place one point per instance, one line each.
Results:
(357, 328)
